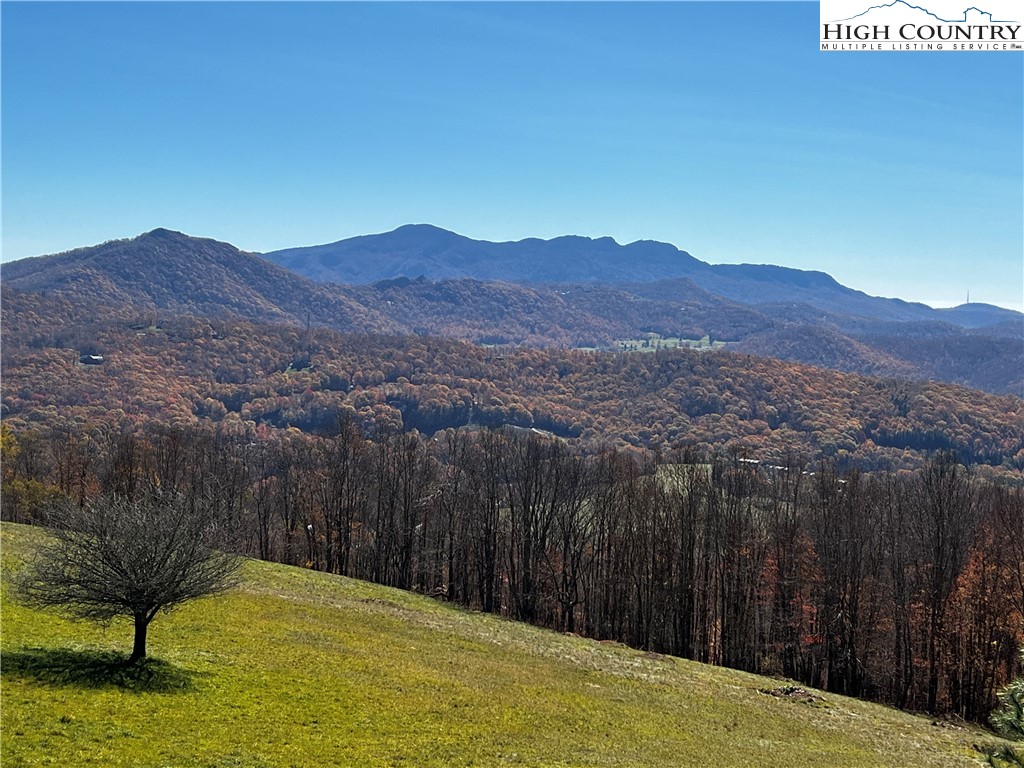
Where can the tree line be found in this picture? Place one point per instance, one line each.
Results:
(901, 587)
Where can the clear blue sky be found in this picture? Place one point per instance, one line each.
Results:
(715, 126)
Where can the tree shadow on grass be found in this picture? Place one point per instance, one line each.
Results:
(95, 669)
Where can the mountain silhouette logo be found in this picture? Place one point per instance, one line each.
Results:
(920, 25)
(985, 16)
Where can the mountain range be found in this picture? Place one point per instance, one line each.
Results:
(569, 291)
(437, 254)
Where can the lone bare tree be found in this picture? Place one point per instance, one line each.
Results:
(121, 557)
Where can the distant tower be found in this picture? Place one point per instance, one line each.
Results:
(968, 295)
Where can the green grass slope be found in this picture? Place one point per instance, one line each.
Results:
(297, 668)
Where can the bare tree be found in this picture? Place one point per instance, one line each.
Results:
(119, 557)
(945, 523)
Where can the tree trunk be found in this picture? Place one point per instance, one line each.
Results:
(139, 648)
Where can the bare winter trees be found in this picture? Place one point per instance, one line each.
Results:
(134, 558)
(905, 588)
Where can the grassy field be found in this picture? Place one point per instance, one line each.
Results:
(298, 668)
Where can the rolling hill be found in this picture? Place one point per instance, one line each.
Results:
(169, 273)
(798, 316)
(978, 315)
(301, 668)
(233, 374)
(572, 315)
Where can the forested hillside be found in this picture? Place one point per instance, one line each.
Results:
(191, 370)
(163, 275)
(168, 273)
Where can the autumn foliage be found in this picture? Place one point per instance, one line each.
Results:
(860, 534)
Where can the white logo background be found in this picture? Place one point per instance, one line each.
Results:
(949, 10)
(945, 25)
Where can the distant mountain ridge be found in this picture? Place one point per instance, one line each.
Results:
(812, 319)
(437, 254)
(979, 315)
(422, 249)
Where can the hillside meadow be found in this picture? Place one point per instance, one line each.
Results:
(299, 668)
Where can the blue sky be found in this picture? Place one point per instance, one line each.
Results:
(715, 126)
